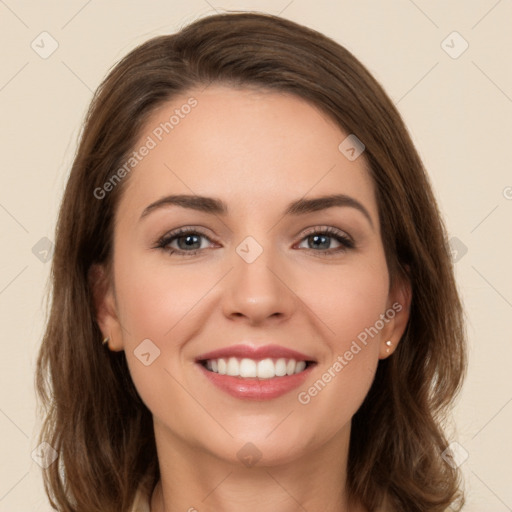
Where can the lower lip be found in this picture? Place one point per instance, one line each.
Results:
(256, 389)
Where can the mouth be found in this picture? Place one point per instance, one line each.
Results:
(246, 368)
(255, 373)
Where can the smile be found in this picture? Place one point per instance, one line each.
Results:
(249, 372)
(250, 368)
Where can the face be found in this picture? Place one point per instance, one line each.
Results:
(263, 262)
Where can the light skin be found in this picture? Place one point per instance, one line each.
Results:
(257, 152)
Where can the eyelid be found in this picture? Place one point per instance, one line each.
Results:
(169, 236)
(331, 230)
(346, 241)
(189, 228)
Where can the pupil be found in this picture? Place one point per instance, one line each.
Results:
(189, 240)
(316, 238)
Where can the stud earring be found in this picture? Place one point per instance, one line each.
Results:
(105, 340)
(389, 344)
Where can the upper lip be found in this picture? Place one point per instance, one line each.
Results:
(257, 353)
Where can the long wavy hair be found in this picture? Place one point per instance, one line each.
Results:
(92, 414)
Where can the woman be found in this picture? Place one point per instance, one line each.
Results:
(249, 229)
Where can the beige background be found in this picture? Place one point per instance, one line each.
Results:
(459, 113)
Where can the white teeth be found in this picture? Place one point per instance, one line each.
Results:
(232, 368)
(266, 369)
(249, 368)
(300, 366)
(222, 366)
(281, 367)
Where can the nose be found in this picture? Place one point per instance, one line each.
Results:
(259, 291)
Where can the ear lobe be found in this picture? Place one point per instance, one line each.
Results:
(400, 301)
(103, 299)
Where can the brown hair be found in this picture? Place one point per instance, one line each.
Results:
(94, 417)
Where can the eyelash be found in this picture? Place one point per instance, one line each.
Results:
(346, 242)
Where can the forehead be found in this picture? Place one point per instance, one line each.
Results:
(250, 147)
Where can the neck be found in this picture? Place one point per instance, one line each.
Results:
(198, 481)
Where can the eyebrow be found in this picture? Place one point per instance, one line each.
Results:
(218, 207)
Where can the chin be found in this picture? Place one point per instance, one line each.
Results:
(264, 445)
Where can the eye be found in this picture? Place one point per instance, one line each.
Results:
(183, 241)
(321, 238)
(189, 241)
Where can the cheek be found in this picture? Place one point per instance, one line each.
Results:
(153, 298)
(350, 301)
(156, 304)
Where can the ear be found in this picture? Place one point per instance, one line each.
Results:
(105, 308)
(397, 315)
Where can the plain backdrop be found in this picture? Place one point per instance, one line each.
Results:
(446, 65)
